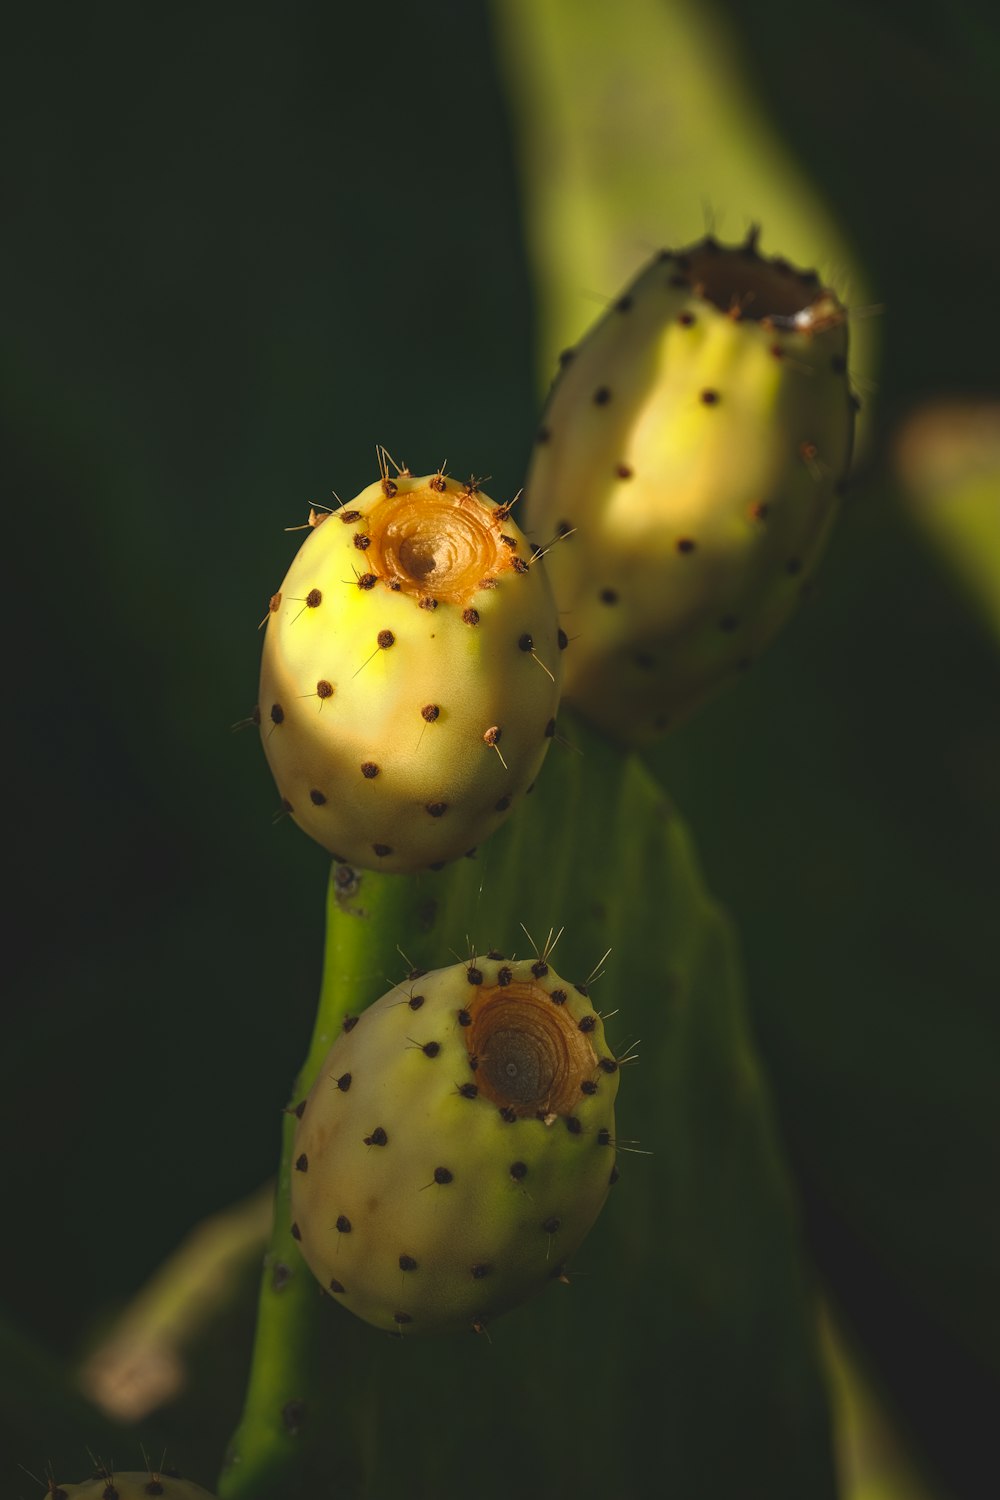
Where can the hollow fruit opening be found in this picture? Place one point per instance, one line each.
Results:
(531, 1055)
(741, 282)
(436, 542)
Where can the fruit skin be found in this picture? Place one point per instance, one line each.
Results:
(110, 1485)
(411, 674)
(427, 1194)
(689, 462)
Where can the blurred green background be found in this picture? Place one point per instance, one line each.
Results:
(243, 248)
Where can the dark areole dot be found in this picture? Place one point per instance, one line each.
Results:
(558, 997)
(566, 355)
(502, 805)
(415, 1002)
(710, 398)
(563, 528)
(343, 1224)
(518, 1170)
(296, 1232)
(436, 809)
(481, 1270)
(604, 1136)
(302, 1163)
(378, 1137)
(369, 769)
(464, 1019)
(562, 638)
(685, 544)
(317, 797)
(367, 581)
(468, 1090)
(624, 471)
(614, 1176)
(443, 1176)
(623, 304)
(382, 850)
(324, 689)
(300, 1109)
(430, 712)
(504, 977)
(407, 1263)
(602, 396)
(431, 1049)
(608, 596)
(349, 1023)
(314, 598)
(427, 602)
(389, 487)
(542, 435)
(402, 1317)
(385, 639)
(507, 1114)
(473, 975)
(550, 729)
(587, 1023)
(519, 565)
(525, 642)
(277, 713)
(573, 1125)
(350, 516)
(608, 1064)
(588, 1086)
(344, 1082)
(336, 1286)
(361, 541)
(685, 319)
(539, 968)
(551, 1224)
(777, 351)
(438, 483)
(492, 735)
(470, 616)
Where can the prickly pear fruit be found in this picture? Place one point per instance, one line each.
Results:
(411, 674)
(457, 1145)
(110, 1485)
(689, 461)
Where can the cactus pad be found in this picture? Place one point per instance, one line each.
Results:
(456, 1147)
(411, 674)
(688, 468)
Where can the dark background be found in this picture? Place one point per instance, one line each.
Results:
(240, 250)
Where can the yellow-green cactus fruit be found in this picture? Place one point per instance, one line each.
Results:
(411, 674)
(457, 1146)
(687, 471)
(108, 1484)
